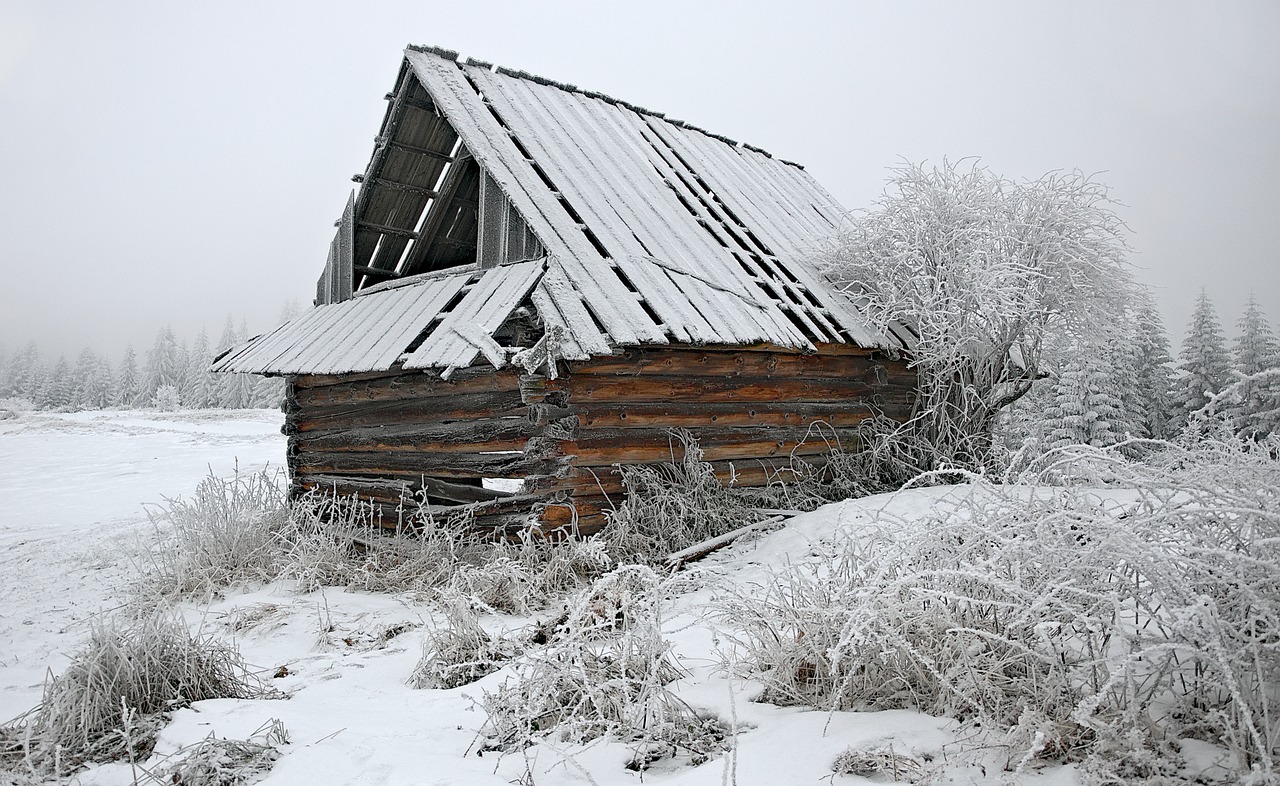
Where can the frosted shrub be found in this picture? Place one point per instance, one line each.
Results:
(604, 671)
(228, 533)
(340, 541)
(111, 699)
(1082, 631)
(460, 651)
(216, 761)
(166, 399)
(669, 507)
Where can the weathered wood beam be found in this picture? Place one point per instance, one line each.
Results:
(365, 270)
(394, 184)
(422, 151)
(387, 230)
(497, 434)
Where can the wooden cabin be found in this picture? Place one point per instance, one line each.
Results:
(536, 283)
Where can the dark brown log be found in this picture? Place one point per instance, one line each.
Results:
(409, 386)
(436, 489)
(478, 436)
(701, 414)
(597, 447)
(723, 362)
(439, 464)
(439, 409)
(602, 389)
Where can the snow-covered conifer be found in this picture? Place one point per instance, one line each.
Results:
(1256, 404)
(1083, 411)
(163, 364)
(199, 387)
(57, 391)
(1205, 365)
(1152, 373)
(128, 388)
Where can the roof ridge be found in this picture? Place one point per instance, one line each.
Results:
(450, 54)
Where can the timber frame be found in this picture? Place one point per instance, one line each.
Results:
(535, 284)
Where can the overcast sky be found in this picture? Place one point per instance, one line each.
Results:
(174, 162)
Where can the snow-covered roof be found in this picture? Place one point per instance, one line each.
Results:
(648, 230)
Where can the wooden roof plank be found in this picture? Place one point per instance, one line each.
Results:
(493, 148)
(485, 307)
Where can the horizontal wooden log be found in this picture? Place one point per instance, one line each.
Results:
(441, 409)
(695, 414)
(737, 473)
(437, 464)
(409, 386)
(603, 446)
(584, 390)
(391, 489)
(561, 514)
(468, 436)
(721, 362)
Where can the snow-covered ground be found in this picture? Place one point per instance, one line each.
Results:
(74, 489)
(73, 495)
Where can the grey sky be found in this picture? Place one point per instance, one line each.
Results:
(175, 162)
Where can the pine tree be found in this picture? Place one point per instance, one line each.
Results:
(1205, 368)
(127, 389)
(1152, 373)
(26, 374)
(1256, 346)
(1256, 400)
(57, 392)
(164, 365)
(86, 382)
(1083, 411)
(235, 391)
(199, 386)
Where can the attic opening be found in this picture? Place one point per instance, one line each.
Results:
(425, 204)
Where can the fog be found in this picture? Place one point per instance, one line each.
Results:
(176, 163)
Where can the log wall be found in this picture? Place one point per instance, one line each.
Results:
(388, 436)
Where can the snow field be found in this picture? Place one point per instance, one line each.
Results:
(343, 658)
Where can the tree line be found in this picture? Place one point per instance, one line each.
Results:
(1100, 392)
(173, 374)
(1027, 327)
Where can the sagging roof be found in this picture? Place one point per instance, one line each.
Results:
(650, 231)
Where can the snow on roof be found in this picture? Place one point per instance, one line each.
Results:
(653, 231)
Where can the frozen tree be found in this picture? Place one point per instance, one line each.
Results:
(1204, 367)
(983, 269)
(58, 389)
(91, 381)
(199, 387)
(1151, 371)
(164, 366)
(128, 387)
(166, 398)
(26, 374)
(1255, 404)
(234, 390)
(1083, 411)
(1256, 347)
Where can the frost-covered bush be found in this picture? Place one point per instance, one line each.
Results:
(1081, 630)
(669, 507)
(340, 541)
(605, 670)
(216, 761)
(166, 398)
(460, 651)
(111, 699)
(229, 532)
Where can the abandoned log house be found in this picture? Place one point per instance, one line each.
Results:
(536, 283)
